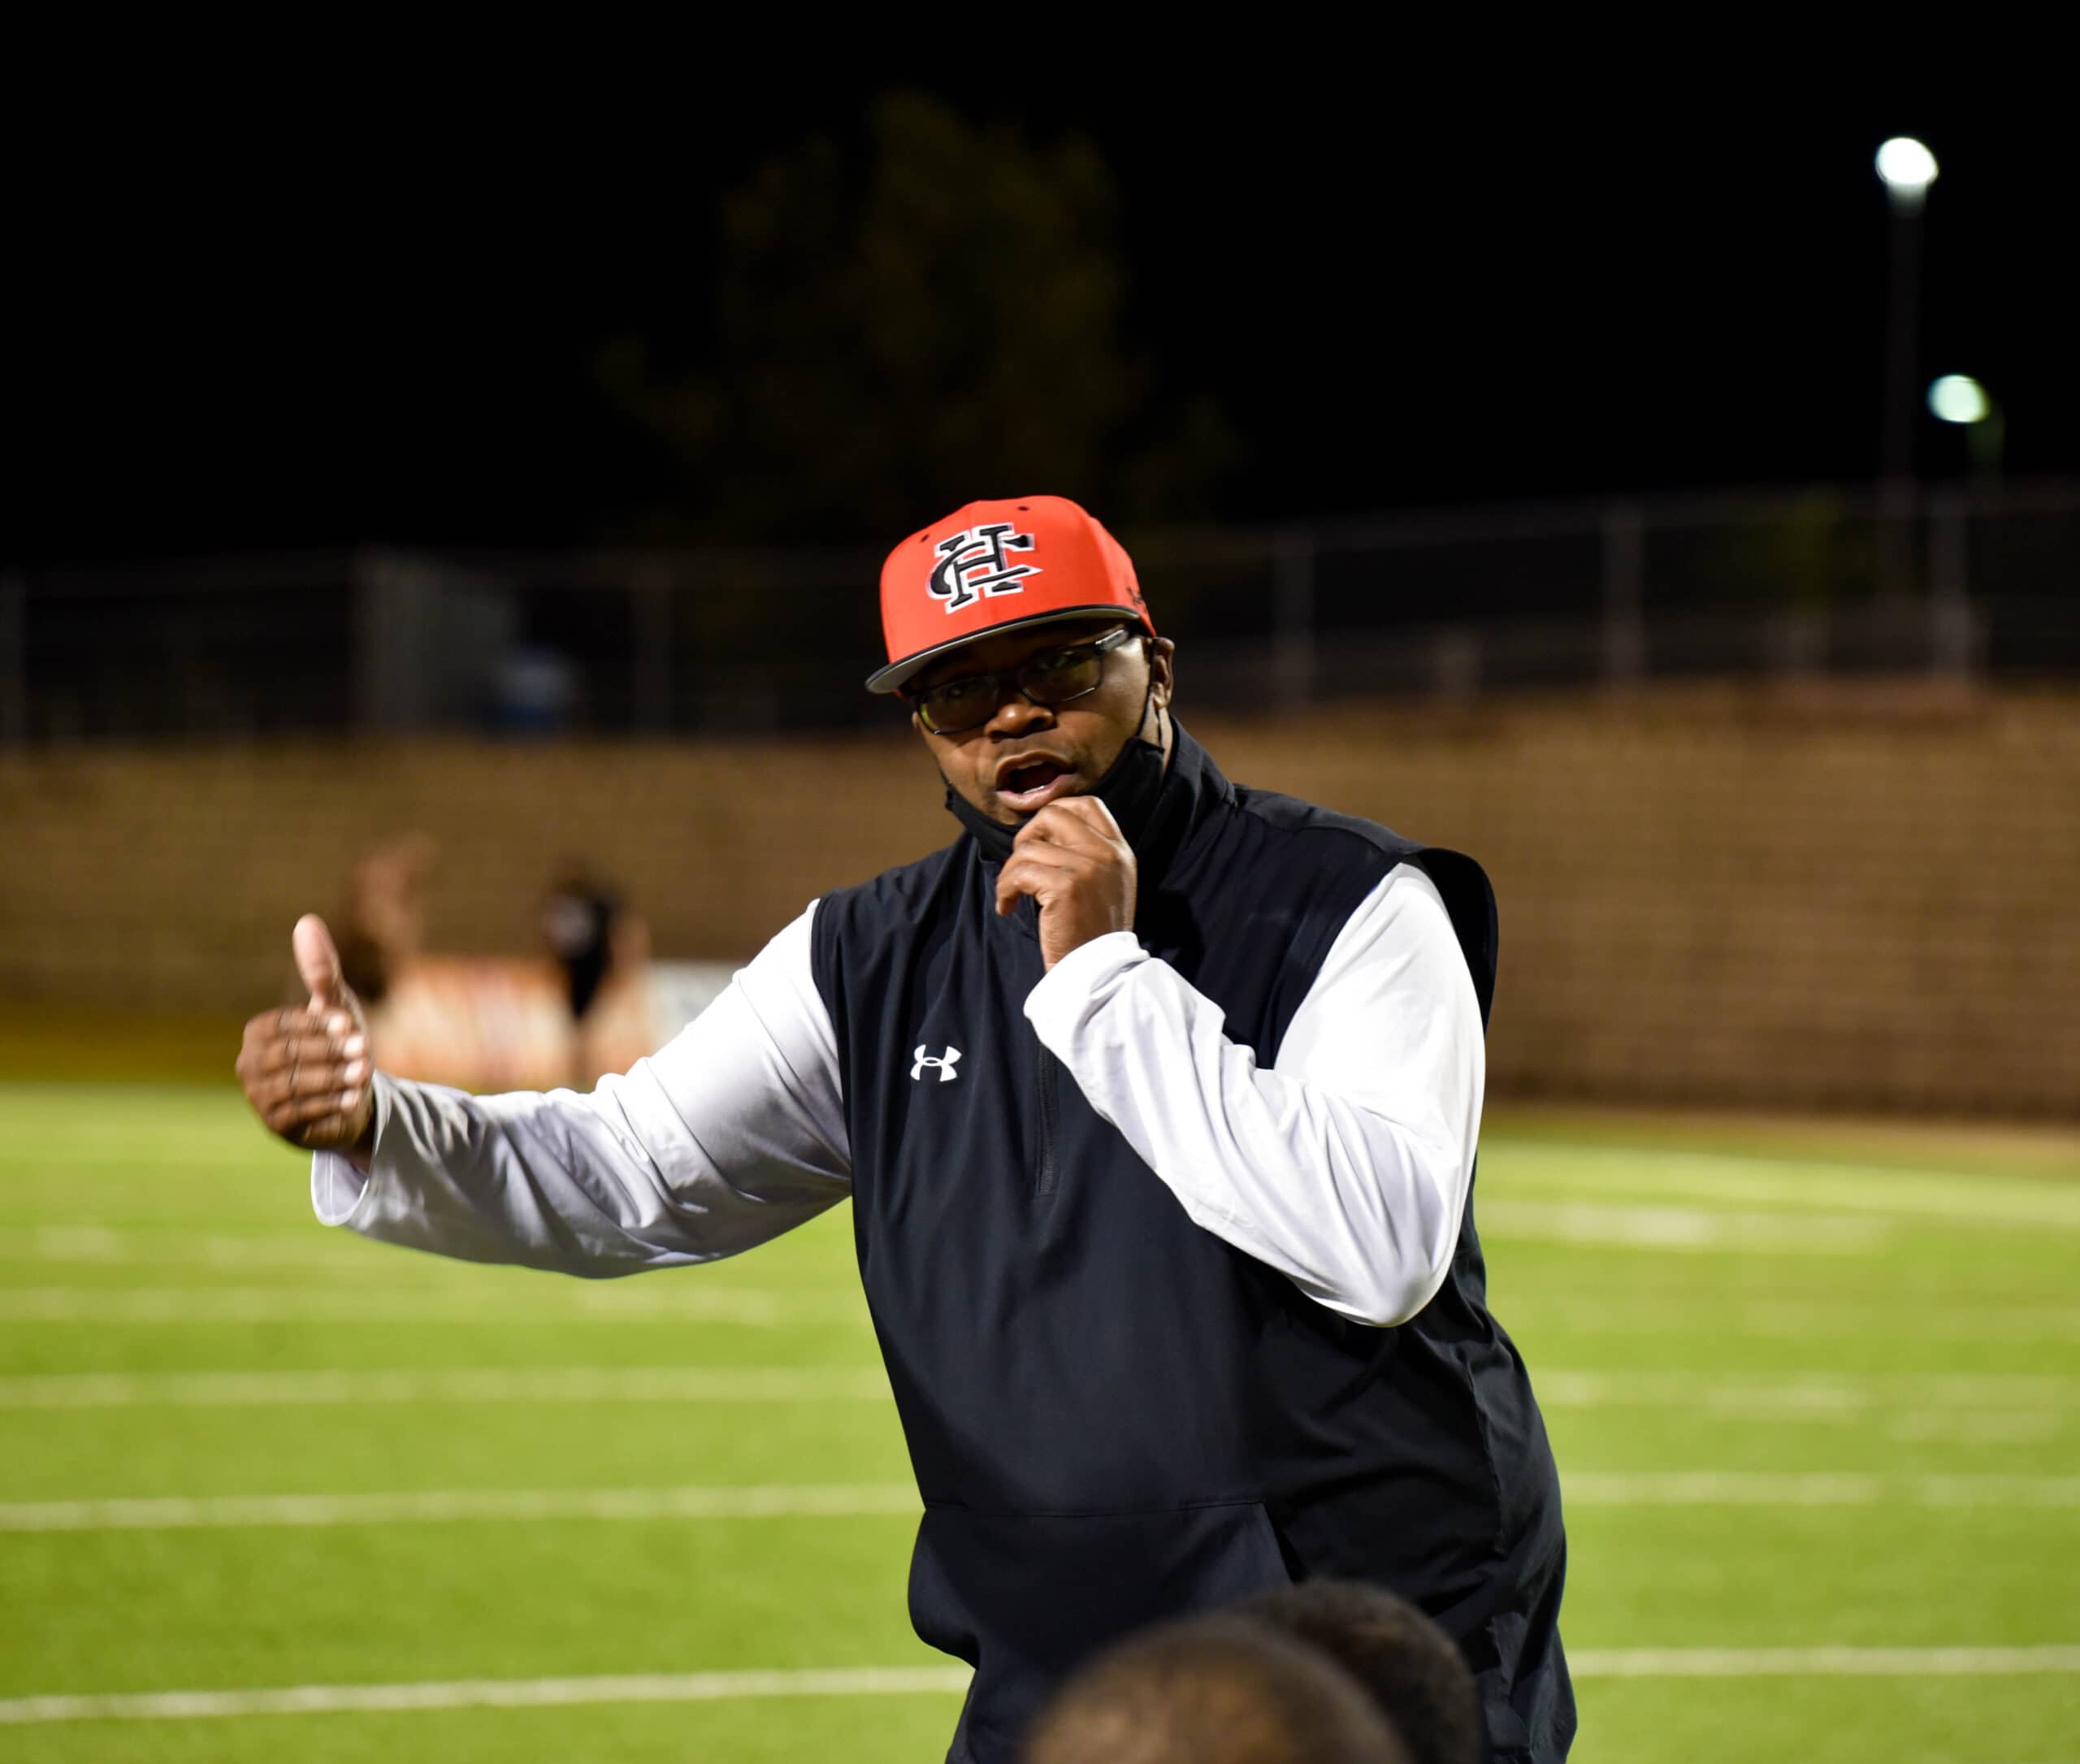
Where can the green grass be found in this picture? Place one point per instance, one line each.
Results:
(1715, 1299)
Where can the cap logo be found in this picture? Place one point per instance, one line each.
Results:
(972, 561)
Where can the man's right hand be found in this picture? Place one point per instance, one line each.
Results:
(306, 1071)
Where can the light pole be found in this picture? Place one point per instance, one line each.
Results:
(1954, 632)
(1907, 169)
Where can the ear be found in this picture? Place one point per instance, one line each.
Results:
(1162, 670)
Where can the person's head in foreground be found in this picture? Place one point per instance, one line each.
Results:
(1214, 1690)
(1018, 638)
(1406, 1661)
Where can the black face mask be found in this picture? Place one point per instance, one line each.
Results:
(1129, 788)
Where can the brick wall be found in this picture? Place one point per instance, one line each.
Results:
(1858, 899)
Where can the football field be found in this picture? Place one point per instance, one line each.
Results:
(267, 1491)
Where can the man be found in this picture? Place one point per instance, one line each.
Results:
(1213, 1691)
(1406, 1661)
(603, 950)
(578, 924)
(1156, 1101)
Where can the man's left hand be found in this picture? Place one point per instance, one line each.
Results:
(1077, 864)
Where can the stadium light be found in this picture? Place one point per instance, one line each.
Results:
(1908, 168)
(1959, 398)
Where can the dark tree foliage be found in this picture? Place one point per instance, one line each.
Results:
(933, 314)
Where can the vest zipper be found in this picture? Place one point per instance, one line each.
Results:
(1043, 1179)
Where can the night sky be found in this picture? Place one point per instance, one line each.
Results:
(272, 325)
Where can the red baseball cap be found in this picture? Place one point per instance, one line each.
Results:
(993, 567)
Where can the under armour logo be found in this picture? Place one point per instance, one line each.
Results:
(945, 1064)
(974, 559)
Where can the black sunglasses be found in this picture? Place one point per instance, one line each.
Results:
(1052, 677)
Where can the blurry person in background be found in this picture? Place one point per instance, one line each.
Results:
(1157, 1099)
(1404, 1661)
(383, 915)
(1213, 1691)
(603, 951)
(578, 923)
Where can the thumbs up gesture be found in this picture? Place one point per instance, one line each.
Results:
(306, 1070)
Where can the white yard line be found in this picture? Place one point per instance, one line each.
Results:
(548, 1302)
(504, 1304)
(1684, 1229)
(1976, 1427)
(1806, 1320)
(1828, 1319)
(951, 1680)
(520, 1384)
(1721, 1488)
(493, 1693)
(446, 1506)
(127, 1246)
(1821, 1662)
(863, 1500)
(1820, 1397)
(1595, 1223)
(1656, 1175)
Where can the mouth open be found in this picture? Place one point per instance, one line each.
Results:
(1035, 784)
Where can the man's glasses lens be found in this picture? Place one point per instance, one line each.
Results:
(1053, 679)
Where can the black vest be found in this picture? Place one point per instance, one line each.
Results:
(1114, 1416)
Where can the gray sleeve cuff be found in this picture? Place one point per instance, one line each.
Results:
(338, 1184)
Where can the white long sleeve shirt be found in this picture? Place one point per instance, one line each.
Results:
(1344, 1165)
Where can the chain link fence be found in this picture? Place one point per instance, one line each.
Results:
(1971, 579)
